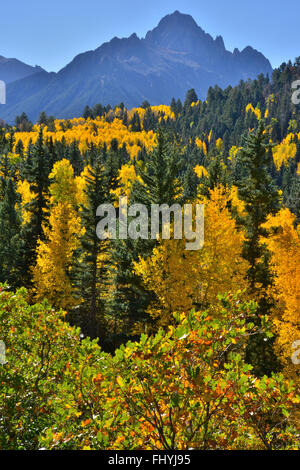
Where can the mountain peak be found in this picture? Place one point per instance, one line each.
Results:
(176, 31)
(178, 18)
(13, 69)
(219, 41)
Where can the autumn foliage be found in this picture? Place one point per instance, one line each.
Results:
(185, 387)
(140, 343)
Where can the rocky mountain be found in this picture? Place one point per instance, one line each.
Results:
(13, 69)
(175, 56)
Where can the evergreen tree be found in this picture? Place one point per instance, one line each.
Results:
(75, 158)
(173, 106)
(9, 235)
(91, 269)
(23, 124)
(51, 152)
(145, 104)
(37, 175)
(191, 97)
(216, 175)
(149, 120)
(135, 123)
(87, 112)
(292, 198)
(160, 175)
(260, 196)
(5, 171)
(179, 106)
(113, 162)
(190, 184)
(20, 148)
(43, 118)
(125, 119)
(160, 185)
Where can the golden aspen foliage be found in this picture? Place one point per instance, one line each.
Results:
(198, 142)
(201, 145)
(54, 257)
(233, 152)
(284, 152)
(51, 274)
(219, 145)
(163, 112)
(201, 171)
(182, 279)
(80, 183)
(23, 188)
(256, 111)
(237, 203)
(97, 131)
(126, 177)
(284, 245)
(63, 188)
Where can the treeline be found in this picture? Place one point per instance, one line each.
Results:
(224, 114)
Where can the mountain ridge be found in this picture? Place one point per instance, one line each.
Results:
(173, 57)
(12, 69)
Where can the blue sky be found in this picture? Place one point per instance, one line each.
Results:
(51, 33)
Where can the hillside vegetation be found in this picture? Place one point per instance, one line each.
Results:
(142, 344)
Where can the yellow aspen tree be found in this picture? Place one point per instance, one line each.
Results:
(97, 132)
(256, 111)
(126, 177)
(220, 145)
(23, 188)
(201, 171)
(183, 279)
(51, 274)
(284, 245)
(284, 152)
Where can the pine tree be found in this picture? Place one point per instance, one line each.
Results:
(37, 174)
(87, 112)
(75, 158)
(43, 118)
(160, 176)
(125, 119)
(216, 175)
(260, 196)
(159, 184)
(191, 97)
(112, 164)
(173, 106)
(179, 106)
(52, 153)
(292, 198)
(149, 120)
(135, 123)
(190, 184)
(9, 235)
(91, 270)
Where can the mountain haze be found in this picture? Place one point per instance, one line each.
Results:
(13, 69)
(175, 56)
